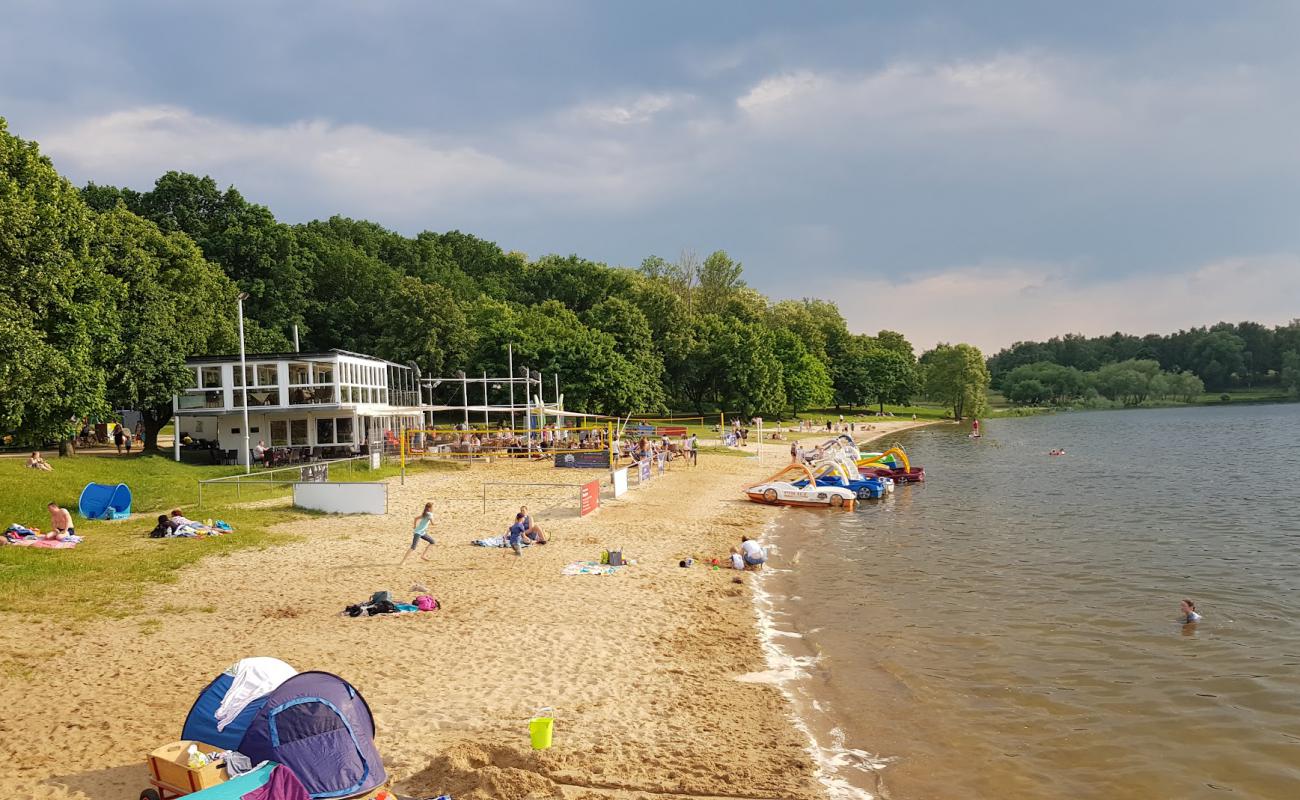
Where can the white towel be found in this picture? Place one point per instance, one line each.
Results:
(254, 678)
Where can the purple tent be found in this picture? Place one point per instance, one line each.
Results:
(315, 723)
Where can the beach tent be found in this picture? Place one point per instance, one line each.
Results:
(314, 723)
(102, 501)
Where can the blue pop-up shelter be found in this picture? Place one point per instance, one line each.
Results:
(102, 501)
(314, 723)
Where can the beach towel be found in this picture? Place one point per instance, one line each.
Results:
(589, 568)
(498, 541)
(46, 544)
(254, 678)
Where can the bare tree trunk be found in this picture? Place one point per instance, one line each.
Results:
(67, 448)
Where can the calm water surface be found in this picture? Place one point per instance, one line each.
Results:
(1008, 629)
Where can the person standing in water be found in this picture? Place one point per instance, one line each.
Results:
(975, 427)
(1188, 610)
(421, 531)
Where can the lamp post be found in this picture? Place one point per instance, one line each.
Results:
(243, 381)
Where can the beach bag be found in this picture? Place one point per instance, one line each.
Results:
(426, 603)
(381, 597)
(616, 558)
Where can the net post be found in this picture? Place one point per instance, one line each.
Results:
(401, 447)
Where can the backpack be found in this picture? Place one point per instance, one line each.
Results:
(426, 603)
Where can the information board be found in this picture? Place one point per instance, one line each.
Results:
(589, 498)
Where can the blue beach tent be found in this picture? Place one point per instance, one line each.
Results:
(102, 501)
(314, 723)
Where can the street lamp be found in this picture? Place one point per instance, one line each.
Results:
(243, 381)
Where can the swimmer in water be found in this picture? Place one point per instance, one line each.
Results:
(1188, 609)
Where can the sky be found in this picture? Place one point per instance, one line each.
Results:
(972, 171)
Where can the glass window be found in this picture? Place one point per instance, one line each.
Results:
(191, 378)
(343, 427)
(324, 373)
(267, 375)
(199, 400)
(211, 377)
(324, 431)
(279, 433)
(298, 432)
(299, 374)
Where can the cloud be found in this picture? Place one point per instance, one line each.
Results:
(357, 168)
(993, 305)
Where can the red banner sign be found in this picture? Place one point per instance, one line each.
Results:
(589, 498)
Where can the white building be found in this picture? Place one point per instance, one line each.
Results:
(299, 404)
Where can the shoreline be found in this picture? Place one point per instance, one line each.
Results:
(641, 667)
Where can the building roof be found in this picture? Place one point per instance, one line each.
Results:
(317, 356)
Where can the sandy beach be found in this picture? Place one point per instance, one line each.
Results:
(640, 667)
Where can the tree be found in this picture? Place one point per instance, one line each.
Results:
(719, 279)
(1218, 357)
(957, 376)
(57, 327)
(806, 379)
(1290, 375)
(174, 304)
(889, 374)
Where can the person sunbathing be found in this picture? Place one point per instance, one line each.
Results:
(36, 462)
(179, 521)
(163, 529)
(61, 525)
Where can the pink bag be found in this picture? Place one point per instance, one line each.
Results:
(426, 603)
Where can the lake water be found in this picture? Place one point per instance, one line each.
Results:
(1009, 628)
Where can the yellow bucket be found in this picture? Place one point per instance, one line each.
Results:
(540, 730)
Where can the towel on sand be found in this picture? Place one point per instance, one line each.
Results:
(499, 541)
(590, 568)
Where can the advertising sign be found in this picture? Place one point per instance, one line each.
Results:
(644, 466)
(662, 461)
(620, 482)
(589, 498)
(598, 460)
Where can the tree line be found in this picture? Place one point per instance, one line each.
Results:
(1223, 356)
(105, 291)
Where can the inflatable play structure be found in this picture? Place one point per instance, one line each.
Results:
(803, 490)
(314, 723)
(102, 501)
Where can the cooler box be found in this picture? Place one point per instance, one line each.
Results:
(168, 765)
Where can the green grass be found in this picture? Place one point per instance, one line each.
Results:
(107, 574)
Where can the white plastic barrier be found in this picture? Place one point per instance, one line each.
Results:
(620, 482)
(342, 498)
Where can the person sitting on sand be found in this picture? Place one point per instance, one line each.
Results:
(61, 525)
(1188, 610)
(36, 462)
(737, 561)
(420, 530)
(532, 533)
(753, 553)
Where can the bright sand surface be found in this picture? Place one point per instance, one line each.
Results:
(640, 667)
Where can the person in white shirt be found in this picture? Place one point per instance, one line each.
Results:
(753, 553)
